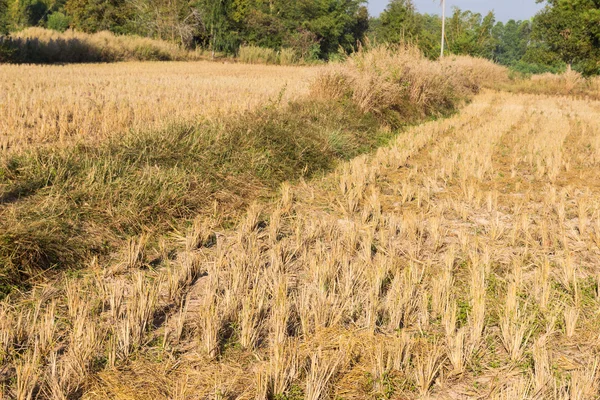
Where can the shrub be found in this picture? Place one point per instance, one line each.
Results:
(287, 57)
(400, 84)
(58, 21)
(257, 55)
(7, 50)
(568, 83)
(564, 83)
(594, 84)
(528, 69)
(262, 55)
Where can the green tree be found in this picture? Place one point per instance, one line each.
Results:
(4, 18)
(312, 27)
(398, 22)
(571, 30)
(24, 13)
(98, 15)
(58, 21)
(429, 33)
(174, 20)
(338, 24)
(305, 43)
(264, 29)
(512, 40)
(469, 33)
(222, 32)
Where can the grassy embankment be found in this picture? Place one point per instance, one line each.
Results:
(569, 83)
(44, 46)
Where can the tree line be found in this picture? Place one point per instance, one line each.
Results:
(316, 29)
(565, 32)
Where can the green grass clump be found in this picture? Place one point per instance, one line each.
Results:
(263, 55)
(528, 69)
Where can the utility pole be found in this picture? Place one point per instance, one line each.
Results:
(443, 26)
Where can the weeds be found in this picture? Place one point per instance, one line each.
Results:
(261, 55)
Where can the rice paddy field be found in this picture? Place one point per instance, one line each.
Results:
(455, 257)
(41, 104)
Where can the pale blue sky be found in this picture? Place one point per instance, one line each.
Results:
(505, 9)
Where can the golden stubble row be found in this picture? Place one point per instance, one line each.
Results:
(49, 104)
(458, 262)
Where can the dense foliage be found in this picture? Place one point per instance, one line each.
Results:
(570, 30)
(313, 28)
(565, 32)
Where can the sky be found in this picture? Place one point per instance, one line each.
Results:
(505, 9)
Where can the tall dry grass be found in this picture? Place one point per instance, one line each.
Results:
(400, 83)
(38, 45)
(569, 83)
(480, 71)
